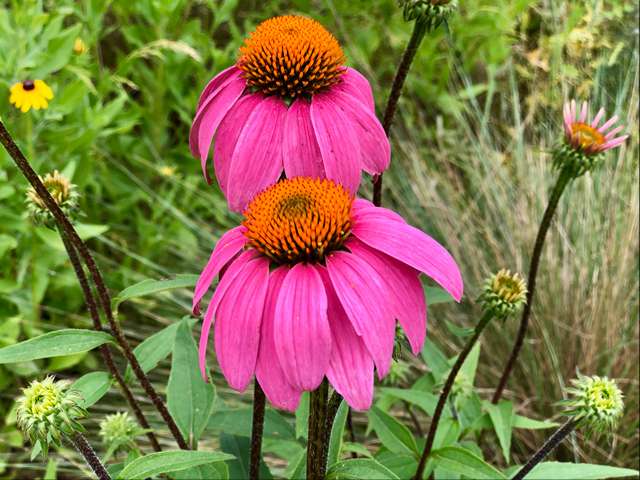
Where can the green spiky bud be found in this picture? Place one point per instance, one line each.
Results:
(118, 432)
(49, 410)
(63, 192)
(503, 294)
(596, 402)
(574, 160)
(398, 373)
(430, 13)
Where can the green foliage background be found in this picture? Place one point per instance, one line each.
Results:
(470, 166)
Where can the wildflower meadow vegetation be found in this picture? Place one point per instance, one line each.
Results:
(316, 239)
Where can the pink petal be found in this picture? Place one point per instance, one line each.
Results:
(209, 117)
(374, 144)
(227, 137)
(608, 124)
(337, 140)
(363, 295)
(300, 150)
(574, 111)
(257, 157)
(356, 85)
(567, 116)
(302, 334)
(227, 247)
(584, 112)
(216, 82)
(238, 319)
(596, 120)
(413, 247)
(227, 279)
(351, 366)
(406, 297)
(362, 207)
(614, 143)
(268, 370)
(614, 132)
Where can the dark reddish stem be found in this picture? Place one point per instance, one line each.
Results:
(257, 429)
(103, 295)
(89, 455)
(316, 434)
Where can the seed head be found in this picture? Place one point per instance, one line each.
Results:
(62, 191)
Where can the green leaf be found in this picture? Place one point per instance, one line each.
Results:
(435, 359)
(459, 331)
(237, 421)
(213, 471)
(239, 448)
(337, 431)
(502, 418)
(470, 365)
(155, 348)
(54, 344)
(437, 295)
(150, 286)
(58, 52)
(531, 424)
(393, 434)
(360, 468)
(169, 461)
(462, 461)
(92, 386)
(425, 401)
(85, 231)
(583, 471)
(302, 417)
(297, 469)
(404, 466)
(190, 399)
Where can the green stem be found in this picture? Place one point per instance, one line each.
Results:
(553, 441)
(564, 178)
(404, 66)
(446, 390)
(316, 434)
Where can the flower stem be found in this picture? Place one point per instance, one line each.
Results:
(257, 429)
(332, 409)
(409, 54)
(105, 350)
(563, 180)
(552, 442)
(83, 446)
(316, 435)
(103, 295)
(484, 321)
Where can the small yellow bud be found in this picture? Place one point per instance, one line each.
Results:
(79, 47)
(504, 293)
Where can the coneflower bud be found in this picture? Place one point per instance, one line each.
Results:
(596, 403)
(503, 293)
(118, 431)
(47, 411)
(62, 191)
(431, 13)
(398, 373)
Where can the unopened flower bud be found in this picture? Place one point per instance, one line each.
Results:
(431, 13)
(596, 402)
(62, 191)
(118, 431)
(79, 47)
(49, 410)
(503, 293)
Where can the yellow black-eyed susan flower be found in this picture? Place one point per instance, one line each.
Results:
(30, 94)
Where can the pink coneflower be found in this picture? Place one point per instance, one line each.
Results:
(314, 282)
(587, 137)
(290, 104)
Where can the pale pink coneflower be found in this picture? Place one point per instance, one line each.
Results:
(288, 104)
(314, 281)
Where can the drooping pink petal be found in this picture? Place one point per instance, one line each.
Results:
(597, 118)
(301, 328)
(227, 247)
(300, 150)
(413, 247)
(608, 124)
(268, 370)
(356, 85)
(227, 279)
(614, 143)
(209, 117)
(228, 134)
(362, 207)
(374, 144)
(584, 112)
(257, 158)
(364, 298)
(406, 297)
(216, 82)
(238, 321)
(614, 132)
(339, 145)
(351, 366)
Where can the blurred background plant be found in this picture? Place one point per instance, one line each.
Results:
(481, 111)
